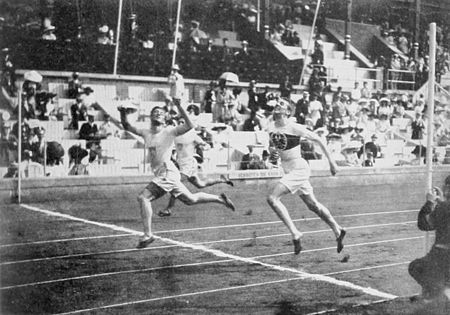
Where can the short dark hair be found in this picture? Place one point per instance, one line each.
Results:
(157, 107)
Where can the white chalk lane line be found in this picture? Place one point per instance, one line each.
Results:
(122, 272)
(218, 253)
(195, 243)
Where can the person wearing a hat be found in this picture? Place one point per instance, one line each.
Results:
(78, 112)
(285, 136)
(48, 33)
(432, 272)
(209, 102)
(75, 85)
(103, 37)
(372, 146)
(187, 146)
(244, 53)
(301, 108)
(159, 140)
(176, 84)
(30, 88)
(417, 127)
(89, 130)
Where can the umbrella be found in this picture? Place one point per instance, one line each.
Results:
(229, 76)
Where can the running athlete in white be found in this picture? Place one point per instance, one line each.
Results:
(185, 146)
(159, 141)
(285, 136)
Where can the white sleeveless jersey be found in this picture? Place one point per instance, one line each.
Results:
(160, 146)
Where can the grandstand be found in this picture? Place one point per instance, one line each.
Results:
(378, 201)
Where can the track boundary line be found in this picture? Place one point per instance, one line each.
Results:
(304, 275)
(195, 243)
(105, 274)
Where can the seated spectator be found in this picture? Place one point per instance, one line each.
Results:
(253, 123)
(309, 151)
(75, 85)
(13, 141)
(244, 53)
(89, 131)
(196, 35)
(350, 154)
(371, 146)
(384, 127)
(419, 157)
(266, 164)
(48, 33)
(250, 160)
(149, 42)
(103, 37)
(108, 130)
(44, 105)
(77, 160)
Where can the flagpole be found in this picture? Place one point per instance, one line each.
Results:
(119, 21)
(176, 33)
(430, 131)
(309, 42)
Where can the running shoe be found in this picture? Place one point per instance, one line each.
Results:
(228, 203)
(165, 213)
(227, 180)
(339, 240)
(297, 246)
(144, 242)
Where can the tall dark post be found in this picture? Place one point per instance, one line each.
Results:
(417, 30)
(348, 29)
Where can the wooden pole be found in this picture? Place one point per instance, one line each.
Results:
(119, 21)
(309, 42)
(175, 45)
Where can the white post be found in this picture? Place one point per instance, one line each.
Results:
(430, 131)
(258, 16)
(175, 45)
(119, 21)
(309, 42)
(19, 149)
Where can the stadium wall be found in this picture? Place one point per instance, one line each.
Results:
(378, 187)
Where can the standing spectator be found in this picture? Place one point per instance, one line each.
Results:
(75, 85)
(226, 52)
(417, 127)
(395, 66)
(314, 111)
(301, 108)
(78, 112)
(224, 98)
(209, 101)
(176, 83)
(253, 104)
(317, 57)
(355, 94)
(365, 91)
(432, 272)
(196, 35)
(285, 88)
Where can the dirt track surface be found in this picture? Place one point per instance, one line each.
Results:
(72, 257)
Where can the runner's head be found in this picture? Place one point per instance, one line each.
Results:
(282, 108)
(158, 115)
